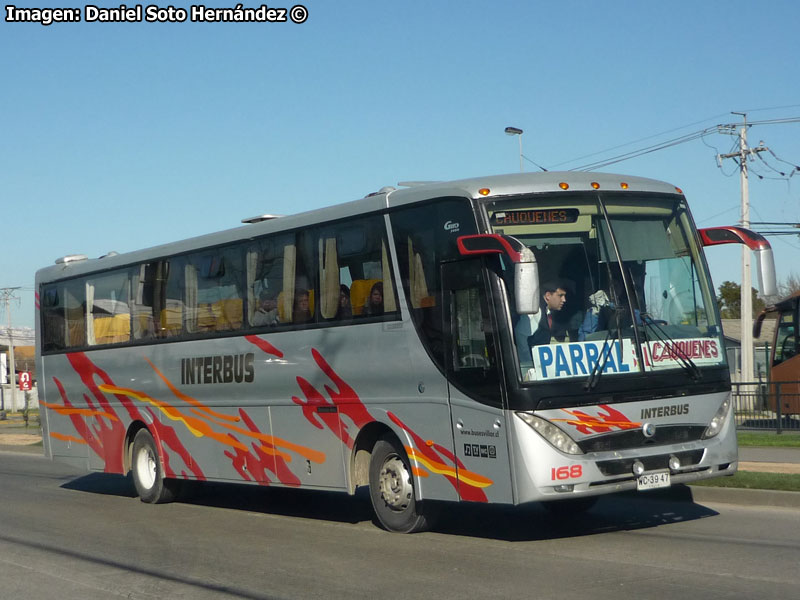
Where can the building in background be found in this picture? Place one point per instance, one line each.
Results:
(732, 331)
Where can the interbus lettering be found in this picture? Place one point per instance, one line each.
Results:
(665, 411)
(227, 368)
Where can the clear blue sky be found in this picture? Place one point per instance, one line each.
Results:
(123, 136)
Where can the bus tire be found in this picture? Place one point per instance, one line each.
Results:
(391, 489)
(148, 474)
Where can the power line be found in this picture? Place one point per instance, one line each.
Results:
(689, 137)
(648, 137)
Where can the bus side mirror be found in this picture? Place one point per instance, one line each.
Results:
(765, 263)
(526, 272)
(526, 287)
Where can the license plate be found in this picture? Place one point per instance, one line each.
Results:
(652, 481)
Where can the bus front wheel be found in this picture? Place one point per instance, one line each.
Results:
(148, 474)
(391, 489)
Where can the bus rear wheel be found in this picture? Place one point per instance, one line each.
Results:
(148, 474)
(391, 489)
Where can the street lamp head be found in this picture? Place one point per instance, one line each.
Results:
(513, 131)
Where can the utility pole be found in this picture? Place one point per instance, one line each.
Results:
(747, 285)
(6, 296)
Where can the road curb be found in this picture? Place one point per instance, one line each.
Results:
(701, 494)
(744, 496)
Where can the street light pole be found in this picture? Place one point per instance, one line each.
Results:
(518, 132)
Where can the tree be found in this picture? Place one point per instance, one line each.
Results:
(730, 300)
(789, 286)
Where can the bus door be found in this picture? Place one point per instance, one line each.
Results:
(786, 362)
(475, 388)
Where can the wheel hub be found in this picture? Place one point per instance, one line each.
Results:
(395, 484)
(146, 468)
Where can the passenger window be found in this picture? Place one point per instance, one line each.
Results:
(64, 315)
(265, 267)
(171, 306)
(148, 284)
(355, 274)
(109, 318)
(75, 313)
(280, 289)
(212, 297)
(54, 325)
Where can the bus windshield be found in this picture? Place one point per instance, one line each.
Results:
(623, 285)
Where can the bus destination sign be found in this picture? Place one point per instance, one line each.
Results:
(547, 216)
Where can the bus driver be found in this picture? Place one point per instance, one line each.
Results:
(541, 328)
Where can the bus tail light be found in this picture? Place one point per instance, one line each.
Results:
(715, 426)
(555, 436)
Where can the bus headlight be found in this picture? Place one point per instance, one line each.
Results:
(715, 426)
(551, 433)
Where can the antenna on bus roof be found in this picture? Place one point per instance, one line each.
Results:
(259, 218)
(69, 258)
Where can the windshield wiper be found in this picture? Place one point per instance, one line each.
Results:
(597, 370)
(687, 363)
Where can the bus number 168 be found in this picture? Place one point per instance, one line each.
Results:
(566, 472)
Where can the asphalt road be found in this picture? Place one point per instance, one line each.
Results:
(64, 534)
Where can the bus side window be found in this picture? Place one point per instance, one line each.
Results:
(266, 259)
(296, 298)
(329, 272)
(171, 306)
(145, 296)
(75, 313)
(212, 291)
(109, 314)
(353, 263)
(54, 326)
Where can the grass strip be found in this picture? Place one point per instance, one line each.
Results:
(772, 440)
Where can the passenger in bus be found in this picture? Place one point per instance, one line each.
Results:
(345, 310)
(374, 304)
(301, 312)
(549, 329)
(267, 311)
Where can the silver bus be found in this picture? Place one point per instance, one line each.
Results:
(506, 339)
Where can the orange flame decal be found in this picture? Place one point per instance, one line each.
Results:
(67, 438)
(601, 423)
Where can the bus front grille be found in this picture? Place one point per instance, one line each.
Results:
(634, 438)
